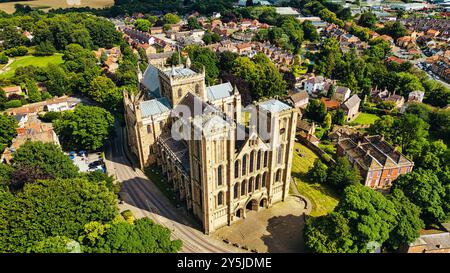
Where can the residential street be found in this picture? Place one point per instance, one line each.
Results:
(146, 200)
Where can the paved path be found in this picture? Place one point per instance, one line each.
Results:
(145, 200)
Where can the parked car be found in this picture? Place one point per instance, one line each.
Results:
(95, 164)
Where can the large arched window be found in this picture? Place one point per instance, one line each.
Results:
(219, 175)
(258, 160)
(220, 199)
(257, 182)
(250, 185)
(244, 164)
(243, 188)
(263, 181)
(236, 190)
(252, 161)
(265, 159)
(236, 169)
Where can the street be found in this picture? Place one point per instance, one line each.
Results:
(144, 199)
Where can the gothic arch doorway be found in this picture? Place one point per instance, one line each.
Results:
(263, 203)
(252, 205)
(240, 213)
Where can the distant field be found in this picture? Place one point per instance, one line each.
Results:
(48, 4)
(365, 119)
(31, 60)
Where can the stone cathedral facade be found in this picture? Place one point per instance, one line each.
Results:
(196, 134)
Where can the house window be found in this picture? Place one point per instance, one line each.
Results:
(220, 199)
(236, 190)
(236, 169)
(243, 188)
(252, 156)
(219, 175)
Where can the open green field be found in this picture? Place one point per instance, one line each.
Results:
(365, 119)
(323, 199)
(40, 61)
(48, 4)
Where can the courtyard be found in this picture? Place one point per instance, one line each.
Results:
(278, 229)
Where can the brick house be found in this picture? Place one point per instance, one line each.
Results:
(378, 162)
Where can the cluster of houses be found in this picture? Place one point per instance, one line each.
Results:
(111, 58)
(346, 40)
(30, 127)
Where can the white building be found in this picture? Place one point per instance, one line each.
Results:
(416, 96)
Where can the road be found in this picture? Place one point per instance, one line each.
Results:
(146, 200)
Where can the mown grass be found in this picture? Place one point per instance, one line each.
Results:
(323, 199)
(38, 61)
(365, 119)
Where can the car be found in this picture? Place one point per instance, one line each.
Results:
(95, 164)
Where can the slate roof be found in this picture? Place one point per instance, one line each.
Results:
(219, 91)
(154, 107)
(274, 106)
(179, 72)
(352, 102)
(299, 96)
(178, 149)
(151, 80)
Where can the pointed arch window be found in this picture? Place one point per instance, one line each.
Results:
(236, 190)
(220, 199)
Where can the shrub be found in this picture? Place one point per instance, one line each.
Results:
(3, 58)
(13, 104)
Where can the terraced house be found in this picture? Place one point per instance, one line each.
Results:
(220, 167)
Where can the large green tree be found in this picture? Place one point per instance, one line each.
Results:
(8, 131)
(49, 208)
(342, 174)
(48, 157)
(85, 128)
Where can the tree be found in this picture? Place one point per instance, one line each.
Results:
(329, 57)
(425, 190)
(5, 175)
(310, 31)
(58, 82)
(142, 25)
(383, 126)
(170, 18)
(47, 158)
(49, 208)
(329, 234)
(371, 216)
(44, 49)
(144, 236)
(318, 172)
(34, 95)
(409, 128)
(25, 174)
(204, 58)
(85, 128)
(56, 244)
(367, 19)
(343, 174)
(104, 91)
(327, 122)
(394, 29)
(8, 131)
(339, 117)
(315, 110)
(408, 221)
(331, 91)
(193, 23)
(3, 58)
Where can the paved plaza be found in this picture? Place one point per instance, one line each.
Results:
(278, 229)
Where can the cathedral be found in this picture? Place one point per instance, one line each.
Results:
(220, 159)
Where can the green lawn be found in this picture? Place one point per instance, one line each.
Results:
(40, 61)
(365, 118)
(323, 199)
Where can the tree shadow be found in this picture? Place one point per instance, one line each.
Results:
(286, 234)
